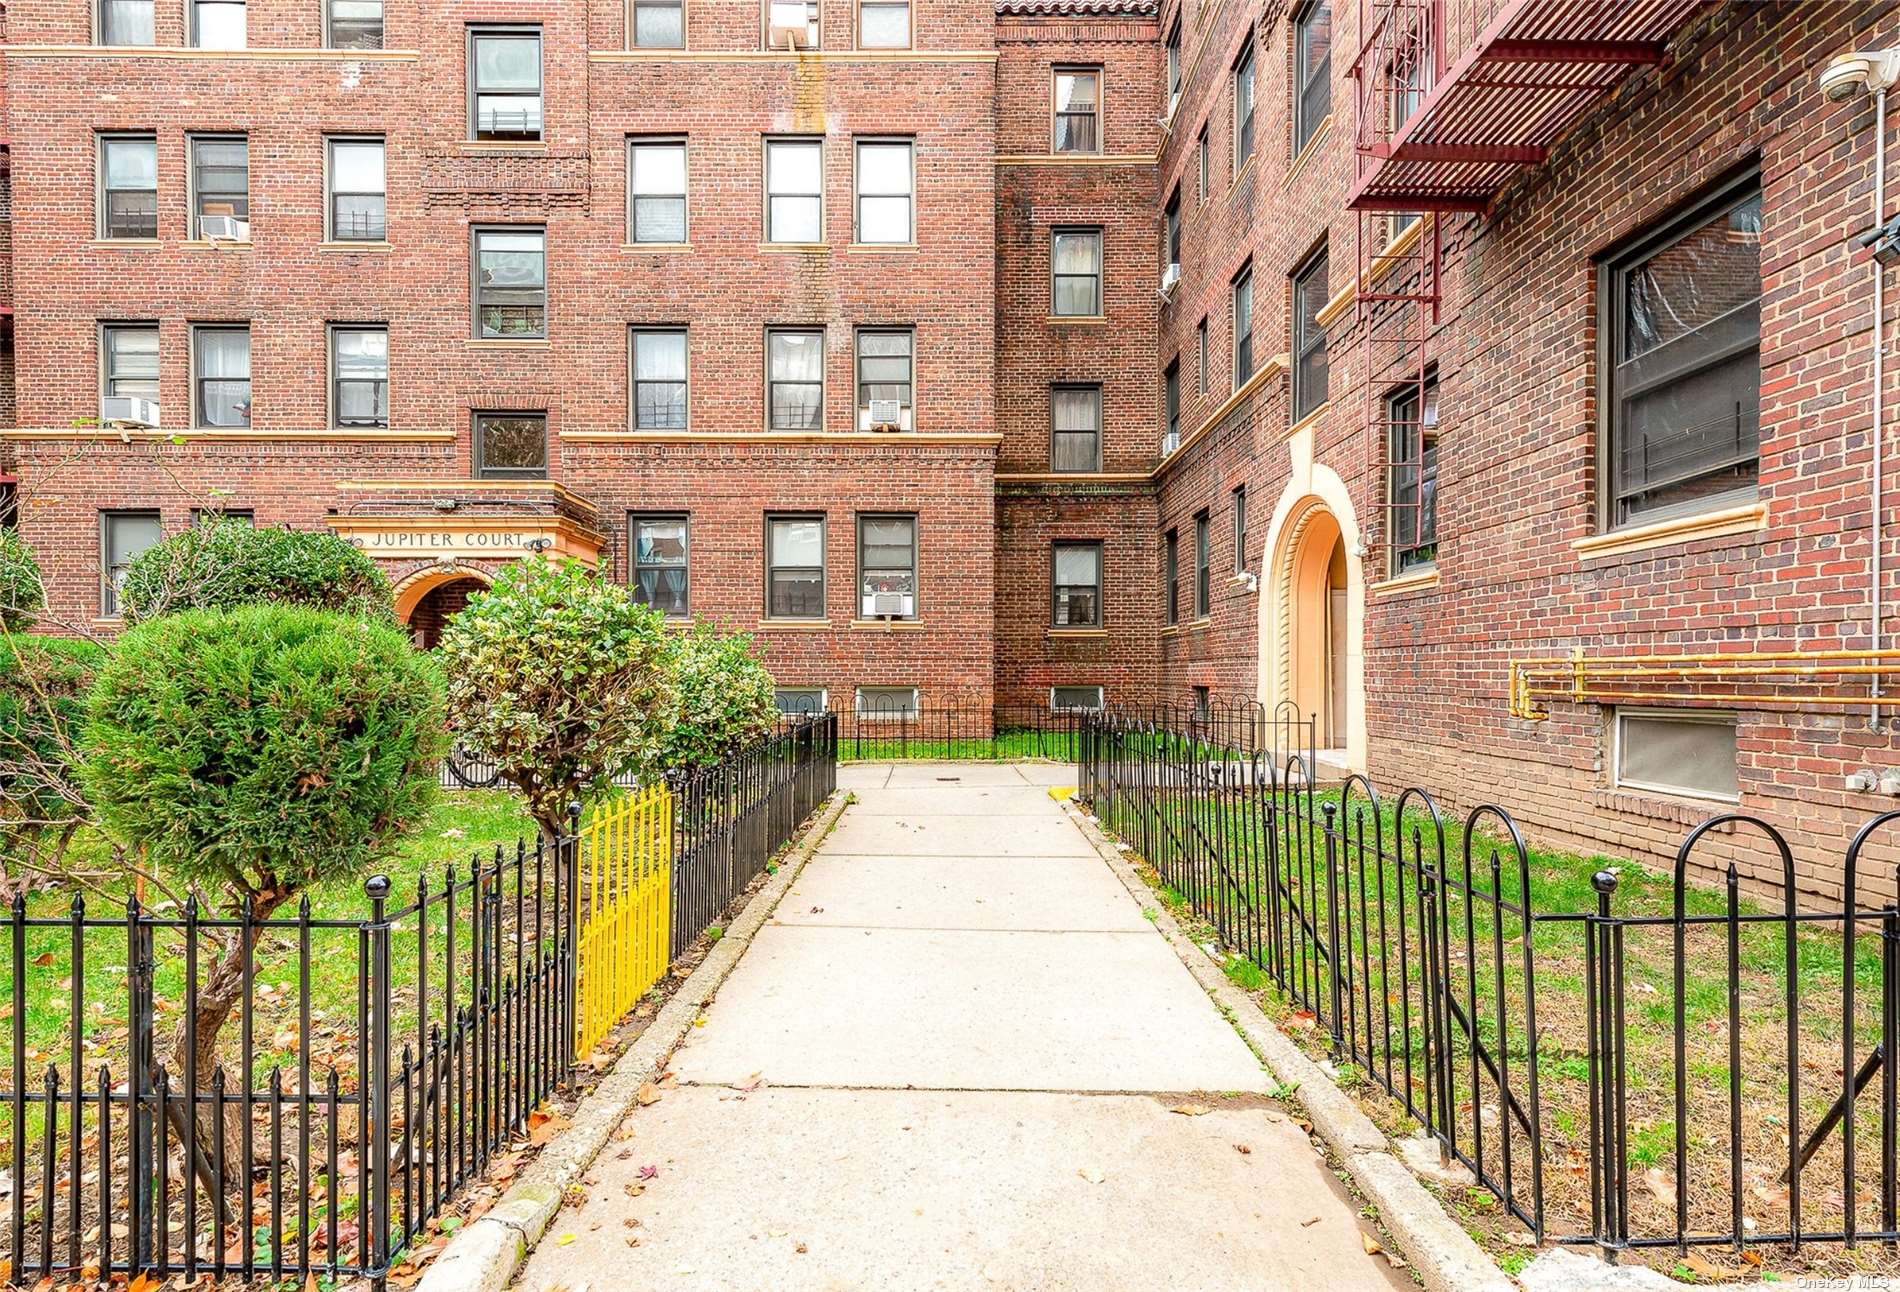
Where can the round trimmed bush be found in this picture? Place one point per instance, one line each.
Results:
(264, 749)
(220, 564)
(726, 697)
(22, 590)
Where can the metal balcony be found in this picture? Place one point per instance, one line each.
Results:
(1453, 97)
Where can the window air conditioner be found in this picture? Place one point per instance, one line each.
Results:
(885, 605)
(886, 414)
(1170, 277)
(127, 410)
(224, 228)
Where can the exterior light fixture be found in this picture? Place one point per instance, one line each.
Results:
(1884, 241)
(1872, 70)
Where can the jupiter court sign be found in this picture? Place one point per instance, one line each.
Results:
(408, 538)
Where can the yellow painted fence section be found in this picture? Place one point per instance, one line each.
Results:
(626, 889)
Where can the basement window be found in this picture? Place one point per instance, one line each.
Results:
(1075, 699)
(799, 701)
(1675, 751)
(887, 703)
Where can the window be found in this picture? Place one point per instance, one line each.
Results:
(511, 446)
(1200, 353)
(504, 92)
(1243, 106)
(799, 701)
(1077, 110)
(1677, 752)
(354, 24)
(656, 190)
(1171, 230)
(884, 378)
(887, 703)
(1312, 71)
(659, 379)
(1076, 585)
(1075, 699)
(358, 203)
(1201, 154)
(1171, 575)
(128, 186)
(1075, 260)
(659, 548)
(884, 191)
(1682, 365)
(217, 24)
(126, 22)
(795, 567)
(1309, 338)
(128, 355)
(1243, 327)
(795, 380)
(794, 190)
(1412, 492)
(221, 187)
(1174, 65)
(511, 286)
(221, 375)
(883, 24)
(791, 24)
(122, 536)
(659, 24)
(1171, 407)
(359, 376)
(1203, 703)
(887, 567)
(1203, 573)
(1075, 431)
(1240, 529)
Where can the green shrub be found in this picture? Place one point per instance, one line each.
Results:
(22, 590)
(220, 564)
(562, 679)
(265, 749)
(44, 682)
(726, 697)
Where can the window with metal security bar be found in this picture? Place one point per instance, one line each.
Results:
(511, 446)
(887, 567)
(1312, 71)
(128, 355)
(126, 22)
(1075, 699)
(1309, 338)
(1681, 334)
(659, 379)
(1412, 475)
(1076, 121)
(128, 186)
(1076, 585)
(359, 376)
(660, 574)
(221, 187)
(358, 206)
(659, 24)
(504, 84)
(1682, 752)
(353, 24)
(795, 567)
(799, 701)
(1075, 428)
(511, 285)
(795, 379)
(123, 535)
(887, 703)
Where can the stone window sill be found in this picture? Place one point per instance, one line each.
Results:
(1749, 518)
(1411, 581)
(888, 625)
(656, 248)
(348, 246)
(1079, 634)
(800, 625)
(1077, 320)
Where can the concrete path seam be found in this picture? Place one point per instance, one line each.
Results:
(1444, 1256)
(484, 1256)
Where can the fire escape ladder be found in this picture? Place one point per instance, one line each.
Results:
(1397, 307)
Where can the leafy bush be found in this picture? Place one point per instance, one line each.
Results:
(44, 683)
(22, 590)
(562, 679)
(262, 750)
(725, 694)
(220, 564)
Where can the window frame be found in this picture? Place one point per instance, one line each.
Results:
(109, 607)
(1709, 717)
(1171, 576)
(331, 193)
(772, 384)
(1239, 293)
(193, 230)
(1303, 346)
(106, 330)
(823, 567)
(1171, 229)
(910, 711)
(823, 706)
(907, 410)
(1055, 597)
(1101, 701)
(331, 332)
(1305, 131)
(475, 233)
(1171, 405)
(816, 143)
(1056, 72)
(192, 32)
(1203, 565)
(1244, 72)
(685, 520)
(1075, 388)
(99, 24)
(633, 22)
(916, 580)
(103, 142)
(634, 382)
(1238, 495)
(1099, 276)
(1171, 67)
(478, 31)
(1396, 565)
(329, 24)
(682, 142)
(1203, 153)
(198, 422)
(814, 25)
(477, 445)
(858, 144)
(910, 22)
(1200, 357)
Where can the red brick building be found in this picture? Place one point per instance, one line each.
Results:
(1039, 352)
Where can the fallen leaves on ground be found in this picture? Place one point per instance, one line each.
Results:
(649, 1095)
(1191, 1110)
(550, 1125)
(1371, 1244)
(1092, 1174)
(1707, 1269)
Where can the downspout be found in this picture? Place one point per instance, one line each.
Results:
(1875, 599)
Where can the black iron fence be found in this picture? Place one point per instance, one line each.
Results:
(884, 729)
(375, 1059)
(1624, 1060)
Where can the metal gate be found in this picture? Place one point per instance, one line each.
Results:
(625, 875)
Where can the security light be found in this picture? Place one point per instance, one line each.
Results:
(1884, 241)
(1873, 70)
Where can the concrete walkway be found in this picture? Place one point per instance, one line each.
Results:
(949, 1062)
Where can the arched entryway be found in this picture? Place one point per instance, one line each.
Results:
(424, 601)
(1315, 590)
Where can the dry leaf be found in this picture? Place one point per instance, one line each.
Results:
(1661, 1185)
(1309, 1222)
(1242, 1149)
(649, 1095)
(548, 1129)
(1191, 1110)
(1091, 1174)
(1520, 1238)
(1708, 1269)
(1371, 1244)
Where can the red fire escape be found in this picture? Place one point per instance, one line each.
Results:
(1452, 98)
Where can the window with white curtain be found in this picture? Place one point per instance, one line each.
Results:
(660, 579)
(1076, 585)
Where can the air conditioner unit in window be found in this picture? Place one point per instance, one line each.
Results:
(886, 415)
(1170, 278)
(889, 605)
(127, 410)
(798, 37)
(224, 228)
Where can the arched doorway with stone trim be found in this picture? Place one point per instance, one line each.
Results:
(426, 599)
(1315, 591)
